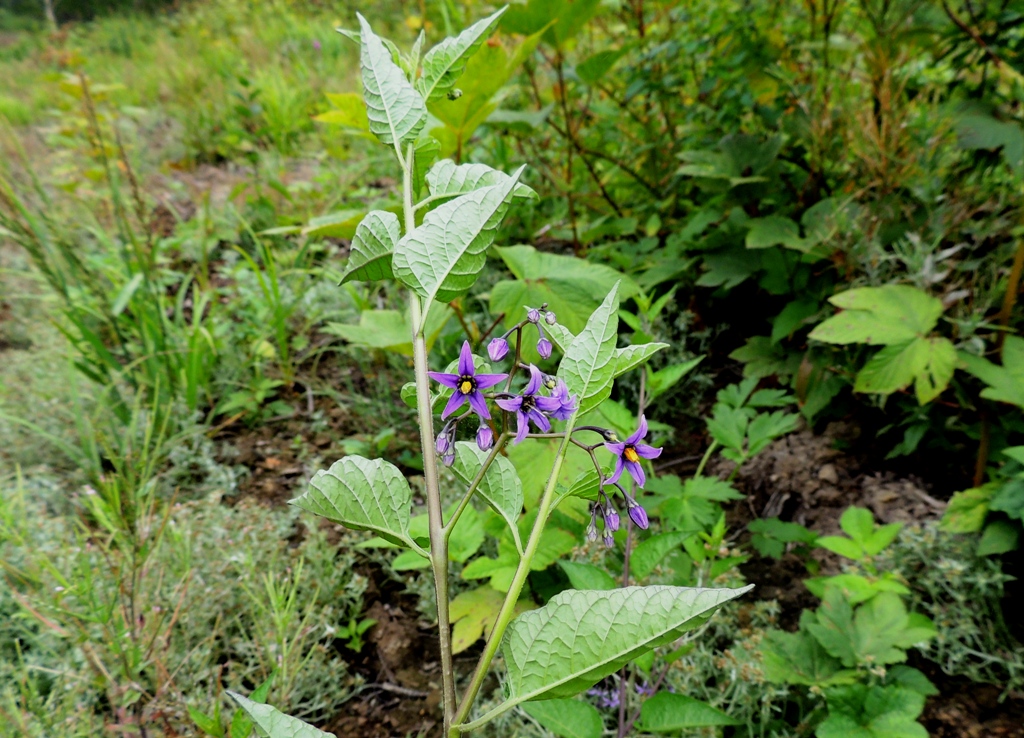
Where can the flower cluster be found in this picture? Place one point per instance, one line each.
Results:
(543, 399)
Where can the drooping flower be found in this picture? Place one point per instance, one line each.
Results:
(611, 517)
(467, 385)
(629, 453)
(485, 437)
(530, 407)
(637, 513)
(445, 439)
(567, 404)
(544, 348)
(497, 349)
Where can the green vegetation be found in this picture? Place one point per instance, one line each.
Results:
(784, 222)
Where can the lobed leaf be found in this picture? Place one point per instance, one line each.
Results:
(395, 110)
(362, 494)
(373, 245)
(444, 63)
(580, 637)
(887, 315)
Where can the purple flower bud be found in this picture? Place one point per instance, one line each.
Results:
(533, 315)
(592, 530)
(442, 443)
(609, 541)
(497, 349)
(638, 514)
(611, 518)
(549, 318)
(484, 438)
(544, 348)
(449, 458)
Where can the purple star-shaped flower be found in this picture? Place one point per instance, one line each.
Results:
(531, 407)
(629, 454)
(567, 403)
(467, 385)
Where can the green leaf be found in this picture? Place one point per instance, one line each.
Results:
(567, 718)
(798, 658)
(442, 257)
(893, 314)
(572, 287)
(1006, 382)
(774, 230)
(560, 20)
(362, 494)
(967, 509)
(842, 546)
(349, 112)
(859, 711)
(792, 318)
(858, 523)
(500, 486)
(928, 362)
(630, 357)
(342, 224)
(206, 723)
(665, 379)
(937, 370)
(999, 537)
(651, 551)
(472, 612)
(587, 576)
(587, 365)
(448, 179)
(273, 723)
(395, 110)
(390, 330)
(446, 62)
(668, 713)
(595, 67)
(1010, 499)
(372, 247)
(580, 637)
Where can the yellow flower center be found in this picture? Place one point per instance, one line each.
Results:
(466, 387)
(631, 454)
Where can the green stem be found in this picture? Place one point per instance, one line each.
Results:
(705, 458)
(495, 450)
(438, 538)
(508, 607)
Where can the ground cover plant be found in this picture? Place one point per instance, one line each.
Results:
(569, 369)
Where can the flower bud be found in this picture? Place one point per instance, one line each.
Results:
(609, 541)
(449, 458)
(549, 318)
(544, 348)
(444, 440)
(485, 438)
(533, 315)
(592, 530)
(637, 514)
(497, 349)
(611, 518)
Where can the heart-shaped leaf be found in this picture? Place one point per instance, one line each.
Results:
(362, 494)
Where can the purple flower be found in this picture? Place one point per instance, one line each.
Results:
(629, 454)
(484, 437)
(533, 315)
(530, 407)
(544, 348)
(467, 385)
(609, 540)
(567, 404)
(497, 349)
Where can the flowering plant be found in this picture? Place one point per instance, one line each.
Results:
(580, 636)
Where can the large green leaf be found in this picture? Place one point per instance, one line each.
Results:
(798, 658)
(500, 486)
(444, 63)
(272, 723)
(967, 510)
(886, 315)
(567, 718)
(580, 637)
(390, 330)
(372, 247)
(558, 20)
(443, 256)
(395, 110)
(587, 576)
(363, 494)
(448, 179)
(588, 366)
(342, 224)
(859, 711)
(669, 713)
(571, 287)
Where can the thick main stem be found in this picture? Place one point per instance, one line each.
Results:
(508, 607)
(438, 539)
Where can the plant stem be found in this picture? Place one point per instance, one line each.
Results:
(508, 607)
(705, 458)
(438, 539)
